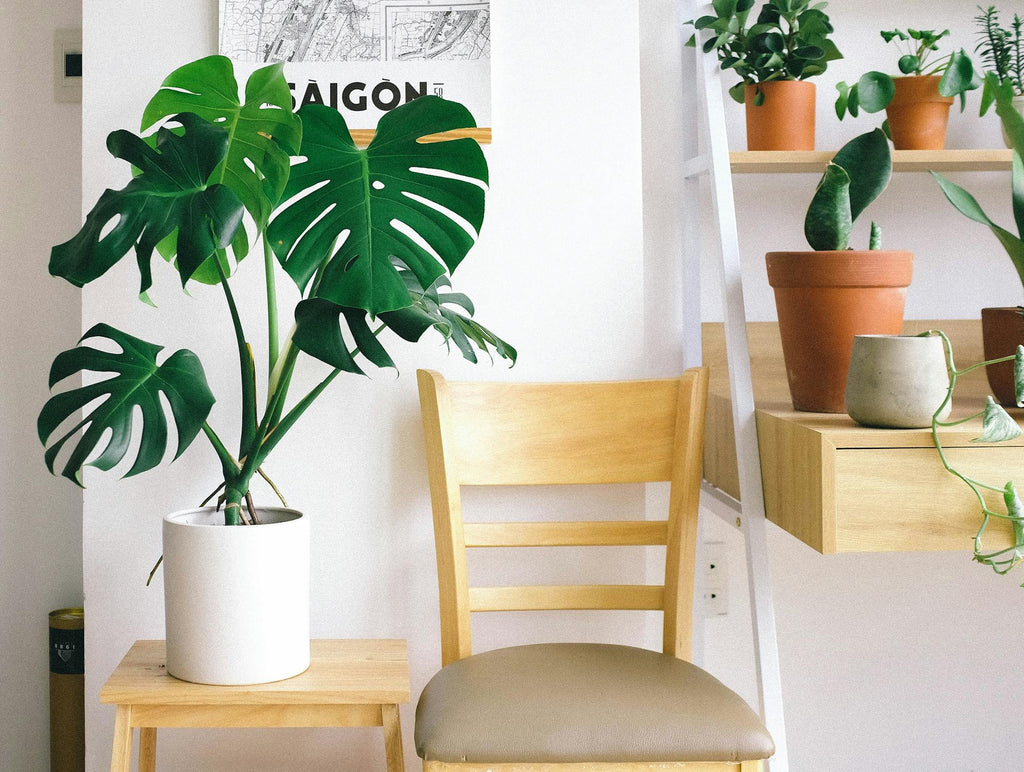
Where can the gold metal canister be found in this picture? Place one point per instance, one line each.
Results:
(67, 690)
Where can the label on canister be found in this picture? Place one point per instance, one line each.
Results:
(67, 641)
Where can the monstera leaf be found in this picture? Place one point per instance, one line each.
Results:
(262, 133)
(397, 202)
(137, 383)
(319, 329)
(169, 195)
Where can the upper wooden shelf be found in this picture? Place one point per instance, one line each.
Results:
(814, 161)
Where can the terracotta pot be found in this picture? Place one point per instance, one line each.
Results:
(1002, 330)
(825, 298)
(918, 114)
(785, 120)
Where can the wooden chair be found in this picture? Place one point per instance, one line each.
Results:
(573, 706)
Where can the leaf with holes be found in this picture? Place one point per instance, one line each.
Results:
(352, 216)
(261, 133)
(137, 383)
(170, 194)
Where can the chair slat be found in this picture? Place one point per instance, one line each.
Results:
(621, 597)
(567, 534)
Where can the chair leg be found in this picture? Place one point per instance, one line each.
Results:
(392, 738)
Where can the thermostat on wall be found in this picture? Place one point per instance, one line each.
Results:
(67, 65)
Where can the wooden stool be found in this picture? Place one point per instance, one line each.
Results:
(348, 683)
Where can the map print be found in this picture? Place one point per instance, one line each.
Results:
(355, 30)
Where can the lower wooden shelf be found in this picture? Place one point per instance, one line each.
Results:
(841, 487)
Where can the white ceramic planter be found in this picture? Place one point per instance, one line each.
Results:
(236, 598)
(896, 381)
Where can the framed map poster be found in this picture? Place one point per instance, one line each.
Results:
(365, 57)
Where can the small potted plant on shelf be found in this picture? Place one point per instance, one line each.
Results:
(997, 426)
(826, 297)
(916, 104)
(1002, 327)
(368, 236)
(773, 57)
(1002, 52)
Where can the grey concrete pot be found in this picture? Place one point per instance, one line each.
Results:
(896, 381)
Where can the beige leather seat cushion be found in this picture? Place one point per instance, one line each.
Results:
(583, 702)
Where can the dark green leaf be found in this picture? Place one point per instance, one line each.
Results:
(318, 332)
(136, 384)
(828, 222)
(262, 133)
(908, 64)
(428, 189)
(170, 194)
(868, 161)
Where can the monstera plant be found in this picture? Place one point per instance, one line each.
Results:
(369, 237)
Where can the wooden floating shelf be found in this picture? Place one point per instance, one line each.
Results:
(363, 137)
(841, 487)
(814, 161)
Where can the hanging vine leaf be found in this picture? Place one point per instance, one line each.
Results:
(997, 426)
(170, 194)
(262, 133)
(137, 383)
(421, 204)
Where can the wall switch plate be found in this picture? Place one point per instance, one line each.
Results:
(67, 65)
(716, 579)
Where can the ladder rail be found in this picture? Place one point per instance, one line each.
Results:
(712, 162)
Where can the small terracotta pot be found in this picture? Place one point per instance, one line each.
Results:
(918, 114)
(785, 120)
(825, 298)
(1002, 330)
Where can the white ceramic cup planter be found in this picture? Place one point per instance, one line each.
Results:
(896, 381)
(236, 598)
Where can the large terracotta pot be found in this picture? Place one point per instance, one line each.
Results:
(1002, 330)
(918, 114)
(785, 120)
(825, 298)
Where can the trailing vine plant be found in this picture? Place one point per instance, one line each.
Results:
(997, 426)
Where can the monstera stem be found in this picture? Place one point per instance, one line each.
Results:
(272, 333)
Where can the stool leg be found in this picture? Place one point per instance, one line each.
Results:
(392, 738)
(147, 749)
(121, 757)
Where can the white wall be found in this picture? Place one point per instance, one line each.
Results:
(882, 664)
(558, 271)
(40, 517)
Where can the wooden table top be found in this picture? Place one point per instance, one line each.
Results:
(341, 671)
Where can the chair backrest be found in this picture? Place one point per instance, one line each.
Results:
(564, 433)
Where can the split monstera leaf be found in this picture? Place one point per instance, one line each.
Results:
(370, 237)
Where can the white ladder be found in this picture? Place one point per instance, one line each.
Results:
(710, 161)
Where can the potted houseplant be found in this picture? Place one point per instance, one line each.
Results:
(369, 238)
(1002, 327)
(1002, 52)
(916, 104)
(773, 57)
(827, 296)
(997, 426)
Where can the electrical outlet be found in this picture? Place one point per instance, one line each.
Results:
(716, 579)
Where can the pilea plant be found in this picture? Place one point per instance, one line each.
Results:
(789, 41)
(874, 90)
(369, 237)
(854, 178)
(997, 426)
